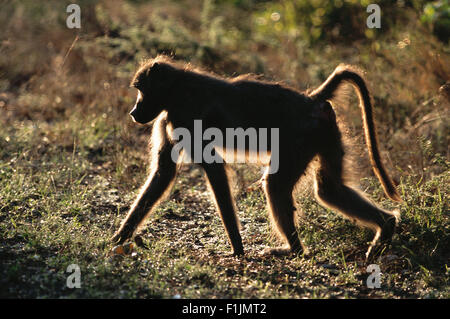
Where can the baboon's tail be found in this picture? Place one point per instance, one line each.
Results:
(327, 91)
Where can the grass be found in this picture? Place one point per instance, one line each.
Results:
(71, 161)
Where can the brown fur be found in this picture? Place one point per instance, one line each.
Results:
(176, 94)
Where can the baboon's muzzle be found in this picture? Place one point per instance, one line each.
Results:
(137, 117)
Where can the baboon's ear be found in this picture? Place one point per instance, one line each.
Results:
(162, 75)
(154, 68)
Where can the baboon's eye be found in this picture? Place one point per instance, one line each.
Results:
(137, 85)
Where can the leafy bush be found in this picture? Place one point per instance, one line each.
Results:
(437, 16)
(315, 20)
(345, 20)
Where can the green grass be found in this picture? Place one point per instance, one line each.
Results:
(71, 161)
(65, 215)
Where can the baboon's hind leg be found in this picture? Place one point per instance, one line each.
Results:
(331, 192)
(278, 188)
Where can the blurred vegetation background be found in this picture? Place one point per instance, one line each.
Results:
(68, 146)
(44, 66)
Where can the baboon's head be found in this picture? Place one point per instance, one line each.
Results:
(153, 81)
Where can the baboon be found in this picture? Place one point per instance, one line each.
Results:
(176, 94)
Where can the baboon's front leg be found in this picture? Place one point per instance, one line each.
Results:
(218, 179)
(282, 211)
(162, 175)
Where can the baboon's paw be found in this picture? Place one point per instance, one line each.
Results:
(121, 237)
(285, 251)
(388, 230)
(277, 251)
(140, 242)
(118, 239)
(238, 253)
